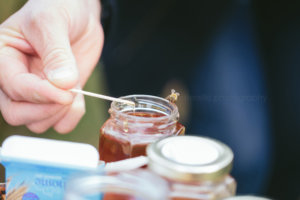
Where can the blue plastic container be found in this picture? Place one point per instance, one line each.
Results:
(38, 169)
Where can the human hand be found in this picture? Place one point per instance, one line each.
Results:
(46, 48)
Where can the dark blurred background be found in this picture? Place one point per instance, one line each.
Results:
(235, 63)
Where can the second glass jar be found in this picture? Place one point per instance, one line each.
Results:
(130, 129)
(196, 168)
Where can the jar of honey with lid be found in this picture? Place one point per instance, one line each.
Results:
(131, 128)
(196, 168)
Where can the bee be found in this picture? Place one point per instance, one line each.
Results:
(173, 97)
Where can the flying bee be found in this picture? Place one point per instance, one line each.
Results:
(173, 97)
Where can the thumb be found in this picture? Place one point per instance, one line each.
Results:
(60, 67)
(49, 36)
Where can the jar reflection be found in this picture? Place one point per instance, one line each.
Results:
(131, 185)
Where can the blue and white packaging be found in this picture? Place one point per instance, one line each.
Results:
(37, 169)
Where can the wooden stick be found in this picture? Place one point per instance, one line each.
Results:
(102, 96)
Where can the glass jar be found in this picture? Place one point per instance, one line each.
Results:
(130, 129)
(196, 168)
(129, 185)
(248, 197)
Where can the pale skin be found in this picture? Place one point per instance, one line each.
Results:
(47, 48)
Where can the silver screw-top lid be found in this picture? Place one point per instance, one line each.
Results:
(190, 158)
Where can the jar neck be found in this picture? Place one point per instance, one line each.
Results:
(150, 115)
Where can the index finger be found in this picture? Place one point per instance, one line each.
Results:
(21, 85)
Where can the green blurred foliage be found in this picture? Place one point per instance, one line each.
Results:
(8, 7)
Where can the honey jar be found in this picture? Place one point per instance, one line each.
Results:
(196, 168)
(131, 128)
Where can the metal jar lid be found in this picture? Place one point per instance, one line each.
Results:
(190, 158)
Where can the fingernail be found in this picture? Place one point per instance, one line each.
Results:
(63, 76)
(79, 102)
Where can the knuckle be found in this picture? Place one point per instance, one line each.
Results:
(65, 15)
(78, 107)
(9, 111)
(54, 15)
(63, 129)
(51, 110)
(81, 112)
(11, 117)
(39, 18)
(55, 56)
(37, 128)
(13, 94)
(78, 112)
(68, 124)
(51, 14)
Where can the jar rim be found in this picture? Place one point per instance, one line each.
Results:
(159, 105)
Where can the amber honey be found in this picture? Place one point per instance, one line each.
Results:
(118, 143)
